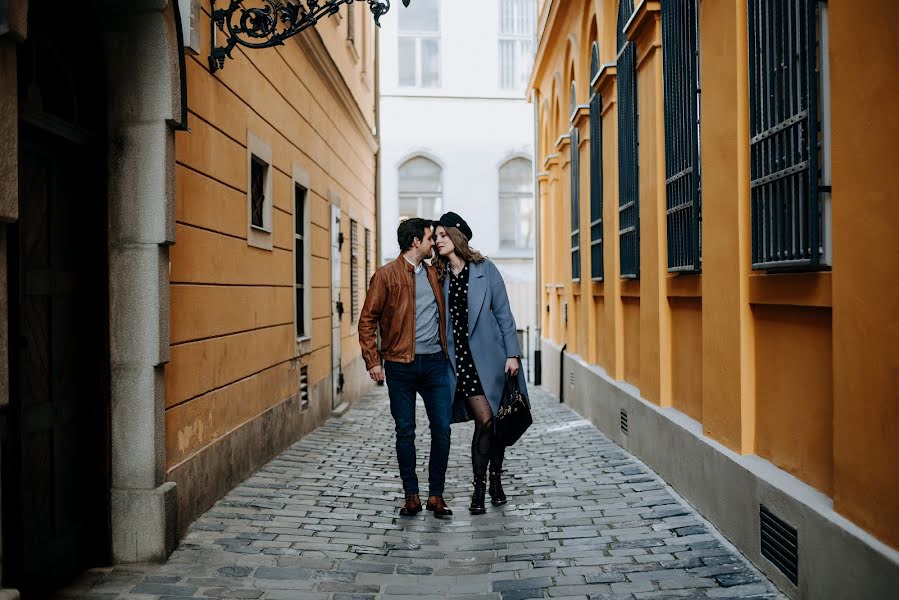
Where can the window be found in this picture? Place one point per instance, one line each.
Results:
(575, 171)
(788, 145)
(516, 43)
(354, 271)
(597, 270)
(421, 189)
(628, 153)
(419, 44)
(682, 164)
(516, 205)
(259, 193)
(301, 258)
(367, 257)
(258, 176)
(351, 24)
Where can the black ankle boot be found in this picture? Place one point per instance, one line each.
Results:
(477, 497)
(497, 495)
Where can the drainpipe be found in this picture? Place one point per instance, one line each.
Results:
(561, 377)
(538, 297)
(377, 84)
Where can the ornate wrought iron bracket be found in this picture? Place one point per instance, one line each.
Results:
(270, 22)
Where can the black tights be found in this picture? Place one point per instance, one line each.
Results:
(483, 451)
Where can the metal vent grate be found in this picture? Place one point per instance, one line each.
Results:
(780, 543)
(571, 378)
(304, 388)
(624, 422)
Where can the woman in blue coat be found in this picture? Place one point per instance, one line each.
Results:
(483, 346)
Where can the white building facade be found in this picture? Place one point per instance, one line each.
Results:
(457, 133)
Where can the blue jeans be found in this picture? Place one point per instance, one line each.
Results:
(427, 375)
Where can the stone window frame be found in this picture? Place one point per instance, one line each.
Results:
(261, 152)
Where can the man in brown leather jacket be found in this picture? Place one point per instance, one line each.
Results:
(405, 302)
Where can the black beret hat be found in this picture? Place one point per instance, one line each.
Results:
(451, 219)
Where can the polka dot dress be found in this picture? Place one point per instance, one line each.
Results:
(467, 382)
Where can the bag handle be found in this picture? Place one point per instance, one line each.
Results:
(511, 384)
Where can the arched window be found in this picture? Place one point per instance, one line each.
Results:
(420, 189)
(516, 205)
(628, 156)
(682, 165)
(575, 172)
(597, 270)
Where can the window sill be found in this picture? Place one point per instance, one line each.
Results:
(521, 253)
(598, 288)
(304, 346)
(260, 238)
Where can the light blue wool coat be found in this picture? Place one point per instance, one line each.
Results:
(492, 335)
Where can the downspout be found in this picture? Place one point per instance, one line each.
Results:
(538, 297)
(377, 84)
(561, 374)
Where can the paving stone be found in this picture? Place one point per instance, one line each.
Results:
(584, 520)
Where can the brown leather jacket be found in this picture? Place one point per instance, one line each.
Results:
(390, 306)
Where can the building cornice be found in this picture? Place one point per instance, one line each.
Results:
(645, 18)
(550, 161)
(581, 114)
(562, 143)
(545, 27)
(313, 46)
(607, 75)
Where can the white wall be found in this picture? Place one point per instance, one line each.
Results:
(468, 125)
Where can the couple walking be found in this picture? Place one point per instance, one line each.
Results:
(447, 333)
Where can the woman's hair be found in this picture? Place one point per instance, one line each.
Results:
(462, 250)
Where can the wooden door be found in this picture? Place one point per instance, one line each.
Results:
(56, 450)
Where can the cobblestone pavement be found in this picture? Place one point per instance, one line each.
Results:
(584, 520)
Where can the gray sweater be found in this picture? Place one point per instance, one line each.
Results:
(427, 321)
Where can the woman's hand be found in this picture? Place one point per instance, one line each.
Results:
(512, 366)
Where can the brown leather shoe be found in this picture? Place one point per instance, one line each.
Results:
(412, 506)
(438, 506)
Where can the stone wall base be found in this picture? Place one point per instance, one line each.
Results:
(222, 465)
(143, 524)
(837, 559)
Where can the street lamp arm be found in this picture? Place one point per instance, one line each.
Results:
(272, 21)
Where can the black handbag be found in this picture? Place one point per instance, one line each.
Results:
(514, 415)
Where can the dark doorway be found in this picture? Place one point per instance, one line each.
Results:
(56, 448)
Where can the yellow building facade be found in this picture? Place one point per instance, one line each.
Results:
(259, 353)
(184, 252)
(726, 308)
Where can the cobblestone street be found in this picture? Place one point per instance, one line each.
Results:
(584, 520)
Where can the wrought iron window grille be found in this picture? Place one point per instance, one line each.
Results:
(597, 269)
(628, 151)
(680, 36)
(270, 22)
(786, 205)
(575, 172)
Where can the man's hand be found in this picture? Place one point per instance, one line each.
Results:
(376, 373)
(512, 366)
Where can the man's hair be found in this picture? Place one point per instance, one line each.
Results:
(409, 230)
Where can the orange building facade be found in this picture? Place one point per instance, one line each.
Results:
(726, 308)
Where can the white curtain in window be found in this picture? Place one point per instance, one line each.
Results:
(420, 189)
(516, 202)
(419, 44)
(516, 48)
